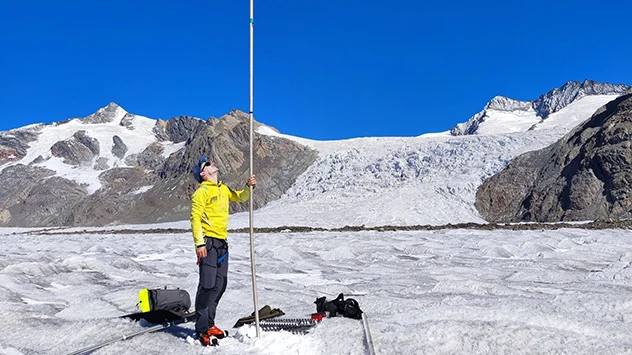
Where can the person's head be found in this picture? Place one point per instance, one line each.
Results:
(205, 170)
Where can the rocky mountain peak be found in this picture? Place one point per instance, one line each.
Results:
(106, 114)
(503, 103)
(235, 116)
(559, 98)
(231, 120)
(545, 105)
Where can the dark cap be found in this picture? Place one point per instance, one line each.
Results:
(197, 169)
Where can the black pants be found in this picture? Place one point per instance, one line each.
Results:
(213, 279)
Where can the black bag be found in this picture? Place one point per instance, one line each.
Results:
(347, 308)
(352, 309)
(176, 300)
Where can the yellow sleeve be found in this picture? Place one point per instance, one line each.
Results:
(197, 210)
(239, 195)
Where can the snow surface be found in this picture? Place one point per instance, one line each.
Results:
(568, 119)
(441, 292)
(497, 122)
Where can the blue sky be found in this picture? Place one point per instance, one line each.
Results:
(323, 69)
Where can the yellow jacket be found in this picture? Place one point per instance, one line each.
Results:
(209, 210)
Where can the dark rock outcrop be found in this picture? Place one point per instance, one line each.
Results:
(150, 158)
(177, 129)
(119, 148)
(587, 175)
(17, 181)
(11, 149)
(91, 143)
(128, 121)
(15, 143)
(116, 201)
(79, 149)
(58, 195)
(32, 196)
(39, 159)
(101, 164)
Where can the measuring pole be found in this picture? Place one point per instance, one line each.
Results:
(252, 236)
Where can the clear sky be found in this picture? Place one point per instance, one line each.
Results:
(323, 69)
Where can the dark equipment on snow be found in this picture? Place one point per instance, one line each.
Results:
(292, 325)
(266, 312)
(177, 301)
(160, 316)
(339, 307)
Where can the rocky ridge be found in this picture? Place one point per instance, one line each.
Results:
(584, 176)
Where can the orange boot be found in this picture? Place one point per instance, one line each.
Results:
(206, 340)
(214, 331)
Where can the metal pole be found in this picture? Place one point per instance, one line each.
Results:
(367, 334)
(92, 348)
(252, 237)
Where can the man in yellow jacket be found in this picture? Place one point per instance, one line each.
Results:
(209, 223)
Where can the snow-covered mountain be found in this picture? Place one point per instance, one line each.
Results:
(505, 115)
(116, 135)
(139, 167)
(114, 167)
